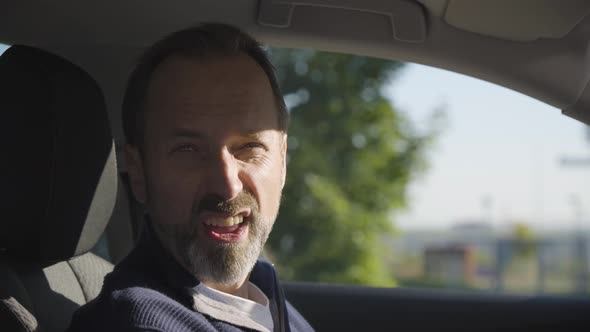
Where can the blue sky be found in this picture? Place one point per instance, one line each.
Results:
(499, 147)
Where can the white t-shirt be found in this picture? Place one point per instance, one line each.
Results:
(253, 313)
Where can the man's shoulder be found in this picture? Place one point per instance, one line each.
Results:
(129, 301)
(265, 277)
(296, 321)
(137, 308)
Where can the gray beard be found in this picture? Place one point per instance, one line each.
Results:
(209, 260)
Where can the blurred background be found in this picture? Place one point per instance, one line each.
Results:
(405, 175)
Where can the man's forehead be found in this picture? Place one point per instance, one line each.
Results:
(253, 133)
(228, 75)
(215, 105)
(232, 87)
(251, 115)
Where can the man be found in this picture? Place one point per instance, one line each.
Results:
(206, 129)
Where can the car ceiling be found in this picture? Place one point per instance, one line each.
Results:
(537, 47)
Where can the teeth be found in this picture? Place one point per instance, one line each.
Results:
(224, 222)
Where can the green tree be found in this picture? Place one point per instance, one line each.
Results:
(350, 159)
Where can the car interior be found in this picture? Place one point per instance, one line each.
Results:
(61, 199)
(65, 185)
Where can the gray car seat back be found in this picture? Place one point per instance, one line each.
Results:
(59, 185)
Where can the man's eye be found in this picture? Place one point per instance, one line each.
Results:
(251, 151)
(185, 148)
(253, 146)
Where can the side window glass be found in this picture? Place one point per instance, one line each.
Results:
(405, 175)
(102, 248)
(3, 47)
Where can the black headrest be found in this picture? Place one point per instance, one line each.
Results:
(59, 174)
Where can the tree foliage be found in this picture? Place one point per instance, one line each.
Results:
(351, 156)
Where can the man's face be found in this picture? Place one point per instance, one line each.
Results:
(213, 164)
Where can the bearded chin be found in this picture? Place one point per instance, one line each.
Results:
(223, 264)
(209, 260)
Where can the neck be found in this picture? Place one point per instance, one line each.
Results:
(239, 289)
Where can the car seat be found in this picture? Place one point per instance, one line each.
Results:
(59, 186)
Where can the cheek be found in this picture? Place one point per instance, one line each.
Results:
(170, 195)
(267, 186)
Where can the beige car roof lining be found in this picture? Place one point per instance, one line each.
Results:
(551, 64)
(521, 20)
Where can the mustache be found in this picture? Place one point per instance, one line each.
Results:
(215, 203)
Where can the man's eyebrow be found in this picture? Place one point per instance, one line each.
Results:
(252, 134)
(182, 132)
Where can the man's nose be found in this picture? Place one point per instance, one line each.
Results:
(224, 179)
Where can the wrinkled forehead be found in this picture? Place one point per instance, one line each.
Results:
(228, 91)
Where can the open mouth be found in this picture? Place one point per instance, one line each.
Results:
(226, 228)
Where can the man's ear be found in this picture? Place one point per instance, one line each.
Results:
(284, 153)
(136, 173)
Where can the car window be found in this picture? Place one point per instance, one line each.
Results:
(101, 248)
(406, 175)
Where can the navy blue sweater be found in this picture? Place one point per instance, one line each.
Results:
(150, 291)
